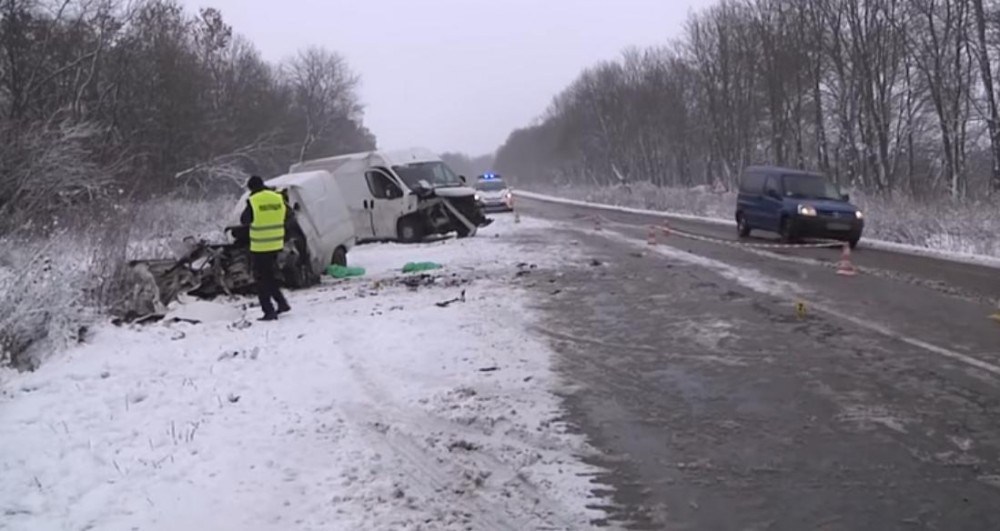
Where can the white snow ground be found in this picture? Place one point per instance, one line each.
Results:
(367, 407)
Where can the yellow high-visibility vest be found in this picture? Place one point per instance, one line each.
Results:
(267, 231)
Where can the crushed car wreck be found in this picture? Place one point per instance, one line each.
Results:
(319, 233)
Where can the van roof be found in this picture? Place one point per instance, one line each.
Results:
(784, 171)
(308, 181)
(389, 157)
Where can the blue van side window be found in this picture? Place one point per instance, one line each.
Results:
(752, 183)
(772, 185)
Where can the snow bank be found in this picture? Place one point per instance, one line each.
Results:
(54, 284)
(367, 407)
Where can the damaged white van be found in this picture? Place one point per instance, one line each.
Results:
(402, 195)
(320, 231)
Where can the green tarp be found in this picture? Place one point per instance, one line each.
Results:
(414, 267)
(339, 271)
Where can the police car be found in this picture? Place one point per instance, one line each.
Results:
(492, 193)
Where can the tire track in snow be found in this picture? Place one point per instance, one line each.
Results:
(386, 433)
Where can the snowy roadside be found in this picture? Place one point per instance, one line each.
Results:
(368, 407)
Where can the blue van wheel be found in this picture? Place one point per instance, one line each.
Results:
(787, 231)
(742, 226)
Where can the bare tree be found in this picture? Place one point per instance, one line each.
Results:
(324, 92)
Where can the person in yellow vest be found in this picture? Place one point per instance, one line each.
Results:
(266, 214)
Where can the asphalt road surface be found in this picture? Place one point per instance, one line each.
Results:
(747, 389)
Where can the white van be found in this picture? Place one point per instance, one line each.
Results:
(402, 195)
(321, 231)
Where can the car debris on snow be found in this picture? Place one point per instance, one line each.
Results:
(445, 304)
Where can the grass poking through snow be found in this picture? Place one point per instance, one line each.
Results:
(53, 287)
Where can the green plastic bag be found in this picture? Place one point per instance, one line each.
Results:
(413, 267)
(339, 271)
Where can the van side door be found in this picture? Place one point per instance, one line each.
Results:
(388, 203)
(771, 203)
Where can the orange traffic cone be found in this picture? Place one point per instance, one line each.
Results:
(517, 216)
(597, 223)
(845, 267)
(651, 235)
(666, 228)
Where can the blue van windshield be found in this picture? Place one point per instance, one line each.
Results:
(810, 187)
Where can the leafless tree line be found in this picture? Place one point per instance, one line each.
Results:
(105, 98)
(470, 167)
(890, 96)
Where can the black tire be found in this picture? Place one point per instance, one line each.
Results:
(787, 231)
(742, 226)
(853, 242)
(409, 230)
(339, 257)
(299, 274)
(462, 230)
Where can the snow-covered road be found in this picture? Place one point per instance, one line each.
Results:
(367, 407)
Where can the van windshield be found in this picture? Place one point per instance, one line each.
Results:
(436, 173)
(810, 187)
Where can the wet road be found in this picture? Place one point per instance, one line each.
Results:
(718, 405)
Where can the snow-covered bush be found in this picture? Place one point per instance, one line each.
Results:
(53, 288)
(951, 226)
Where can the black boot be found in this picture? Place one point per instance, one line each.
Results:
(269, 317)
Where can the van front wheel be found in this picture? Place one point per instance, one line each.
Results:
(339, 257)
(409, 230)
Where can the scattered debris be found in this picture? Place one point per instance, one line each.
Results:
(228, 355)
(489, 369)
(445, 304)
(233, 398)
(463, 445)
(242, 324)
(197, 312)
(596, 263)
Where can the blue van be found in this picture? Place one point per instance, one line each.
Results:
(795, 204)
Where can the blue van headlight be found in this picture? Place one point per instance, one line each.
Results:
(858, 214)
(806, 210)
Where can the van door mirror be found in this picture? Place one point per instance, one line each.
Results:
(463, 179)
(772, 193)
(845, 197)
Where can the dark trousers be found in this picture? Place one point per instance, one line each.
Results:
(265, 267)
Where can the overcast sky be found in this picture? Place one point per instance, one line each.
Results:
(456, 75)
